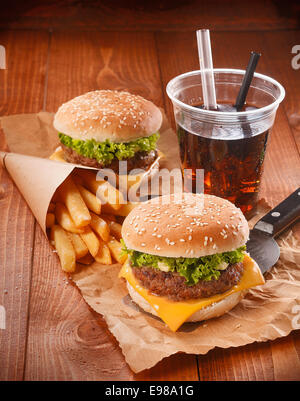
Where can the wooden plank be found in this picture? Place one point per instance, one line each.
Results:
(176, 367)
(178, 54)
(281, 176)
(22, 90)
(286, 360)
(66, 340)
(157, 15)
(251, 362)
(279, 53)
(72, 344)
(272, 360)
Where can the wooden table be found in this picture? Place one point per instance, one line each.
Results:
(58, 50)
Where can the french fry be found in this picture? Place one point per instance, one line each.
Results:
(107, 193)
(64, 249)
(89, 180)
(110, 195)
(115, 248)
(58, 156)
(100, 226)
(124, 210)
(108, 217)
(86, 260)
(50, 220)
(91, 241)
(115, 229)
(91, 200)
(75, 204)
(109, 209)
(104, 256)
(79, 246)
(64, 219)
(125, 182)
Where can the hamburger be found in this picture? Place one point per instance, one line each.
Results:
(101, 128)
(187, 257)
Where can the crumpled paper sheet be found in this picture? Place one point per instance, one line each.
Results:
(31, 139)
(266, 313)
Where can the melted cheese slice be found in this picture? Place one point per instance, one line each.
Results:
(175, 313)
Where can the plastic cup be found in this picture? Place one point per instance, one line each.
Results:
(229, 146)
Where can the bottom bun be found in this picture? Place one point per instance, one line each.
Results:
(215, 310)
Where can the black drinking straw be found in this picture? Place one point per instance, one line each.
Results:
(241, 97)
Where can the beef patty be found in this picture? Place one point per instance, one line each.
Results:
(173, 286)
(141, 160)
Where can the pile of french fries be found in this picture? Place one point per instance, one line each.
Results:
(84, 227)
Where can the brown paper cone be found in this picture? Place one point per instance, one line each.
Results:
(268, 312)
(2, 157)
(37, 179)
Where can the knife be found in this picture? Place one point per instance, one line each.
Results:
(261, 245)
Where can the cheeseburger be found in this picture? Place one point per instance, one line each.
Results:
(100, 128)
(187, 257)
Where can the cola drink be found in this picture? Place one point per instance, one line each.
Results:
(232, 164)
(225, 146)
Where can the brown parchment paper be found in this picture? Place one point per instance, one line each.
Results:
(31, 139)
(267, 312)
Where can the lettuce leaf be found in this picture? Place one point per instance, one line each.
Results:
(105, 152)
(192, 269)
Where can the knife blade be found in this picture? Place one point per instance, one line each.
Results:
(261, 245)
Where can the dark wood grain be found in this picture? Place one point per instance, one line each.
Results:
(281, 177)
(157, 15)
(22, 90)
(51, 333)
(280, 47)
(282, 164)
(67, 341)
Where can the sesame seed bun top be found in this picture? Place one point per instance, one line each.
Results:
(108, 114)
(185, 225)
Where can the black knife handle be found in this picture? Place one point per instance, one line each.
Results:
(283, 215)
